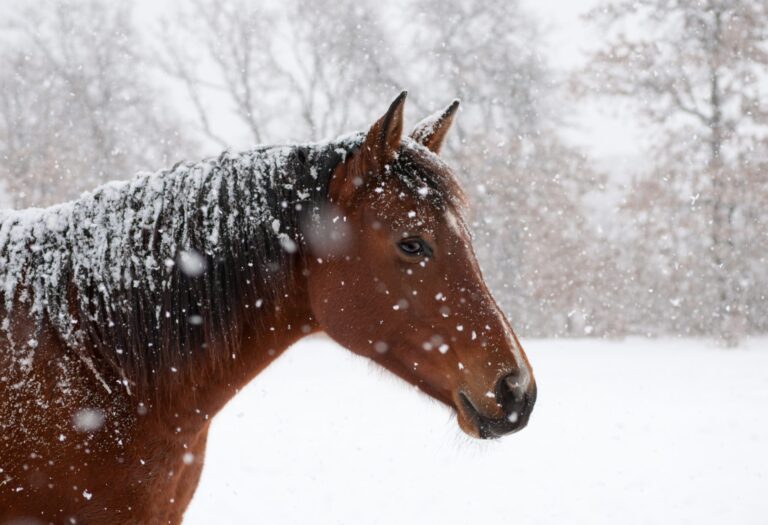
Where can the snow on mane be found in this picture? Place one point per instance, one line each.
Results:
(115, 268)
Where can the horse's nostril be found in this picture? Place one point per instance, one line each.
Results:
(509, 388)
(515, 397)
(513, 383)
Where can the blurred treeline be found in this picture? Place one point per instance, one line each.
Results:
(92, 90)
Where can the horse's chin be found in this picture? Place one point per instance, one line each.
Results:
(476, 425)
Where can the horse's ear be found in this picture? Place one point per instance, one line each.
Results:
(379, 149)
(431, 131)
(383, 139)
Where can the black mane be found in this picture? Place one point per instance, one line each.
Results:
(153, 272)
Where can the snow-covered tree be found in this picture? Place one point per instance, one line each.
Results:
(76, 106)
(291, 71)
(696, 69)
(533, 238)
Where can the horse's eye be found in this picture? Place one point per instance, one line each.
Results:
(414, 247)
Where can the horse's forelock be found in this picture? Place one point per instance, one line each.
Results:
(418, 168)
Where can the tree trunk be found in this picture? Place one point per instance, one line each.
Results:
(726, 316)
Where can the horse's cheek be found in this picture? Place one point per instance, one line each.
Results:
(341, 312)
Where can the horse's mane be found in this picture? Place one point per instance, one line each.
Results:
(150, 273)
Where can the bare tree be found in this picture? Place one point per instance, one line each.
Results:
(76, 108)
(695, 67)
(307, 69)
(485, 53)
(534, 240)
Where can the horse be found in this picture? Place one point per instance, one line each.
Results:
(130, 316)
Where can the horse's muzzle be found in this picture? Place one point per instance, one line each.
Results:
(516, 403)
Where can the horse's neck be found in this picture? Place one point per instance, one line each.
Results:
(264, 328)
(200, 396)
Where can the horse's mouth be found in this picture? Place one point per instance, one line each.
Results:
(492, 428)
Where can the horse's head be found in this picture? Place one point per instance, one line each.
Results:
(393, 277)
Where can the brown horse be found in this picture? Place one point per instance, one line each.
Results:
(131, 316)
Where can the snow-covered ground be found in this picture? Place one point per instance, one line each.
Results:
(631, 432)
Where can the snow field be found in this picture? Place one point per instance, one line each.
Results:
(632, 432)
